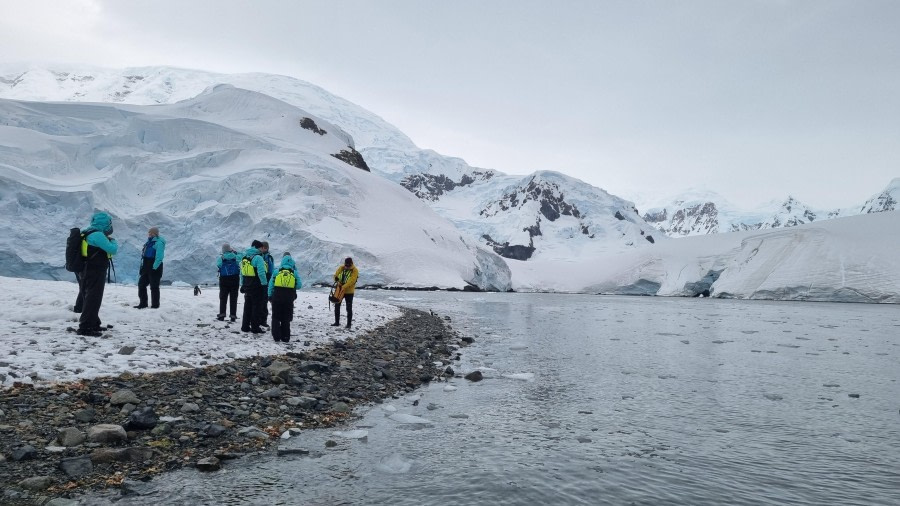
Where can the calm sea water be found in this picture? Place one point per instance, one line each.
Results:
(612, 400)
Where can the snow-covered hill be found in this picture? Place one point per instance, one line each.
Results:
(229, 165)
(852, 260)
(513, 215)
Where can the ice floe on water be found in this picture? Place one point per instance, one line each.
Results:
(394, 464)
(409, 419)
(521, 376)
(351, 434)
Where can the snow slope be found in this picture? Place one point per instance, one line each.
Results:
(229, 165)
(38, 348)
(472, 198)
(851, 259)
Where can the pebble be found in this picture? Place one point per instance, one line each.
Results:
(76, 467)
(189, 407)
(70, 436)
(292, 451)
(86, 415)
(106, 433)
(24, 452)
(475, 376)
(123, 397)
(209, 464)
(36, 483)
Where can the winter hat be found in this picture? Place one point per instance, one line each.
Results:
(348, 261)
(226, 248)
(256, 244)
(286, 254)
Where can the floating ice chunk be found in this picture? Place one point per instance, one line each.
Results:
(390, 408)
(521, 376)
(168, 419)
(449, 388)
(405, 418)
(351, 434)
(394, 464)
(773, 397)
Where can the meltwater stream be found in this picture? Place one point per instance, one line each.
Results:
(610, 400)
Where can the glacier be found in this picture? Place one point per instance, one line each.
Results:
(229, 165)
(851, 259)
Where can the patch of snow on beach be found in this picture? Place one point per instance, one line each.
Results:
(184, 332)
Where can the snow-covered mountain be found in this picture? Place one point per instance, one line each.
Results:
(850, 260)
(700, 212)
(208, 172)
(542, 214)
(229, 165)
(884, 201)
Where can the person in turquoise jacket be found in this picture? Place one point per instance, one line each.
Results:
(97, 248)
(253, 285)
(151, 268)
(228, 264)
(283, 286)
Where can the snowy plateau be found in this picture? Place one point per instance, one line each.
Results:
(211, 163)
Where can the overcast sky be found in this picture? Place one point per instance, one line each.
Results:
(754, 99)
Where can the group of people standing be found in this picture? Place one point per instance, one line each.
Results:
(252, 273)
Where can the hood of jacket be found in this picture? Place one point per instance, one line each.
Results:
(287, 263)
(251, 251)
(230, 255)
(102, 222)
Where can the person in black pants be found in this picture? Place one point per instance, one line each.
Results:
(283, 288)
(270, 269)
(229, 268)
(151, 268)
(97, 248)
(345, 277)
(253, 285)
(79, 301)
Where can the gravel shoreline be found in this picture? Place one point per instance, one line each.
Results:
(121, 431)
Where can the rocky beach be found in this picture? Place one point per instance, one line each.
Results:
(65, 438)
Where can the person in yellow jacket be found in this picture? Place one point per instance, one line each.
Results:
(345, 277)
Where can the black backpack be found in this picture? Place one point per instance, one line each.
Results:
(74, 260)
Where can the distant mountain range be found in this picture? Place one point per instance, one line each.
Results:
(215, 157)
(704, 212)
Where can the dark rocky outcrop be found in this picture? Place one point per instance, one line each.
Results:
(432, 186)
(513, 251)
(352, 157)
(551, 199)
(309, 124)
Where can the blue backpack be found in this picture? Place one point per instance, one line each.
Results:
(229, 267)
